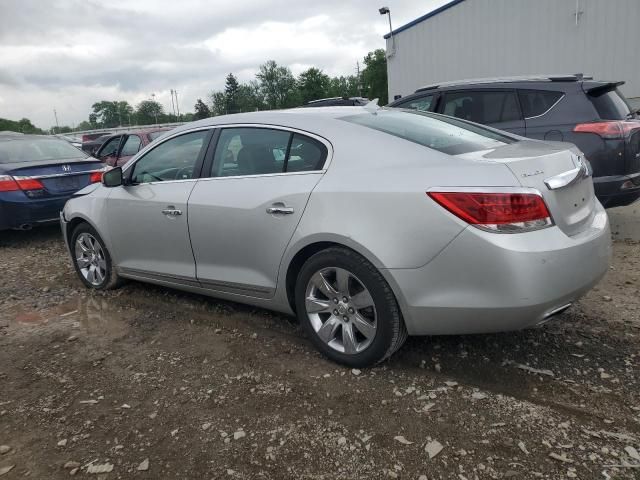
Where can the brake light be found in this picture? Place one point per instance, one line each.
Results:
(11, 184)
(95, 177)
(609, 129)
(504, 212)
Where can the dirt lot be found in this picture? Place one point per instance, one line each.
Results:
(146, 382)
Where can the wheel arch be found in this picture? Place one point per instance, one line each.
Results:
(310, 248)
(73, 223)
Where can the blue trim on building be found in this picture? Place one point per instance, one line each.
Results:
(425, 17)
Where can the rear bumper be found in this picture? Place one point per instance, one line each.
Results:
(617, 190)
(484, 282)
(16, 212)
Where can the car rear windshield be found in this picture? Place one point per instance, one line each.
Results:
(611, 105)
(445, 134)
(20, 150)
(154, 135)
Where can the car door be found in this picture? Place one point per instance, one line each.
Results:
(130, 146)
(147, 217)
(497, 108)
(108, 152)
(242, 218)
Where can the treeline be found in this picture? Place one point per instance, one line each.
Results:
(22, 126)
(275, 86)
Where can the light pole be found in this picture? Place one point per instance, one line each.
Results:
(387, 12)
(155, 110)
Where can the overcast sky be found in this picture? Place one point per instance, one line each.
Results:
(68, 54)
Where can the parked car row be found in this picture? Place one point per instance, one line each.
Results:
(38, 174)
(593, 115)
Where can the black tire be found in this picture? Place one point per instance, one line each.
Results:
(111, 279)
(391, 332)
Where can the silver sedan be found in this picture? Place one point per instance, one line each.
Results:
(368, 224)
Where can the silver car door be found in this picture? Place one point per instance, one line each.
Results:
(242, 218)
(147, 217)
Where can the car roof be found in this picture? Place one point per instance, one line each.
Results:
(574, 77)
(4, 137)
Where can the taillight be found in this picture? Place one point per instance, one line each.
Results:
(610, 129)
(497, 211)
(95, 177)
(11, 184)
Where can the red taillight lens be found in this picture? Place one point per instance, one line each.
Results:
(8, 184)
(95, 177)
(11, 184)
(497, 212)
(609, 129)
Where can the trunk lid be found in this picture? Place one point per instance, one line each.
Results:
(570, 198)
(58, 178)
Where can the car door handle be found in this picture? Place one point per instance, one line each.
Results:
(172, 211)
(280, 210)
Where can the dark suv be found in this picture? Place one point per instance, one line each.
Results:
(591, 114)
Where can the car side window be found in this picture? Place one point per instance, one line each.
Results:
(305, 154)
(485, 107)
(260, 151)
(422, 104)
(131, 146)
(537, 102)
(174, 159)
(111, 147)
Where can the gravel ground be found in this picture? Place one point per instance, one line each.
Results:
(146, 382)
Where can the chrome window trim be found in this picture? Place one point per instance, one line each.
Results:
(306, 133)
(259, 175)
(549, 109)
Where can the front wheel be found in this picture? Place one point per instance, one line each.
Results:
(348, 309)
(91, 259)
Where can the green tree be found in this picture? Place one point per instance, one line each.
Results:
(23, 125)
(313, 84)
(343, 87)
(63, 129)
(84, 125)
(231, 92)
(277, 85)
(218, 103)
(111, 113)
(249, 98)
(149, 112)
(374, 76)
(201, 110)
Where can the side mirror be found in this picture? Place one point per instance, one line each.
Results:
(112, 178)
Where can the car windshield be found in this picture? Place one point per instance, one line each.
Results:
(19, 150)
(445, 134)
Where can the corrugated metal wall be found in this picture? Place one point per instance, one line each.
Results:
(488, 38)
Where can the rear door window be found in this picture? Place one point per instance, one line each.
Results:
(488, 107)
(421, 104)
(611, 105)
(131, 146)
(537, 102)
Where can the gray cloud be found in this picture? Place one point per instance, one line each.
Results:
(67, 54)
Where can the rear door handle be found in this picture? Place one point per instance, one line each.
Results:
(172, 211)
(280, 209)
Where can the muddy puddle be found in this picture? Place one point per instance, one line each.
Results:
(90, 315)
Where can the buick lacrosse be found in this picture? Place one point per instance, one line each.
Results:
(368, 224)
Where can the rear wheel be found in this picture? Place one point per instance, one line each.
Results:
(91, 259)
(348, 309)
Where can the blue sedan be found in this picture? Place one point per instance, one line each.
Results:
(38, 174)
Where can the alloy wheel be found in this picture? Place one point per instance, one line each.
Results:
(341, 310)
(90, 259)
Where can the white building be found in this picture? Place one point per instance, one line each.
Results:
(468, 39)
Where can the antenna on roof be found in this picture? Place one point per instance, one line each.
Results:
(372, 106)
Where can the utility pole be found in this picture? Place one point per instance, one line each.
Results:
(359, 84)
(155, 110)
(173, 108)
(55, 114)
(175, 92)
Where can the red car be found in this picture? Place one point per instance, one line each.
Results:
(120, 147)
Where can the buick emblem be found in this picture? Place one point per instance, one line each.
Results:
(66, 168)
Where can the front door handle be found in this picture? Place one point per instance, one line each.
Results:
(172, 211)
(280, 209)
